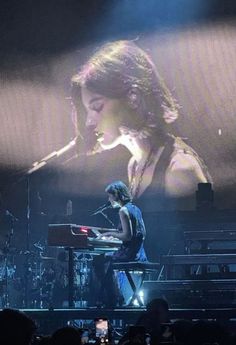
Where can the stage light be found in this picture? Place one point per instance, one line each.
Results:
(141, 296)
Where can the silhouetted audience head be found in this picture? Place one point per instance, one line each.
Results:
(15, 327)
(66, 336)
(157, 313)
(181, 330)
(160, 308)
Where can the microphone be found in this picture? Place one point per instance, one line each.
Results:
(53, 155)
(69, 208)
(102, 208)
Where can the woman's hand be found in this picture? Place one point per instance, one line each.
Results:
(108, 234)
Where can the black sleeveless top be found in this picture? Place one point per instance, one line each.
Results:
(133, 250)
(154, 197)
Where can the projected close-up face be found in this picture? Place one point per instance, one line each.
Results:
(128, 103)
(104, 115)
(145, 110)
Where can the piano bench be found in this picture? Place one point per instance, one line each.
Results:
(136, 266)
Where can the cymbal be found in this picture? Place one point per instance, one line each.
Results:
(47, 258)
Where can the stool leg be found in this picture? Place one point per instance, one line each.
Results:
(134, 288)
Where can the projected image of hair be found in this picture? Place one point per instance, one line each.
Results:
(128, 103)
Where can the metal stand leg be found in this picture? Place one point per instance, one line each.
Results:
(71, 279)
(6, 303)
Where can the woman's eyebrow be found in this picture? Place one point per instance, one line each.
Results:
(96, 98)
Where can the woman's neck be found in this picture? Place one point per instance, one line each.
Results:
(139, 147)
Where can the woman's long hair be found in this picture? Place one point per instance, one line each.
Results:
(120, 66)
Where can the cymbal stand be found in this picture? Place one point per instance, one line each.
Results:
(27, 252)
(27, 271)
(6, 251)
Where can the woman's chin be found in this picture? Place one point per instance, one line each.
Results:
(111, 144)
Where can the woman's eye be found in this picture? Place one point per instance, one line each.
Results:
(97, 107)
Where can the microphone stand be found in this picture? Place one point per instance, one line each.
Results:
(27, 252)
(53, 155)
(107, 218)
(35, 167)
(101, 210)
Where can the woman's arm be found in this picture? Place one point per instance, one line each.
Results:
(127, 231)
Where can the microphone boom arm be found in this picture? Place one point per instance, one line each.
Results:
(51, 156)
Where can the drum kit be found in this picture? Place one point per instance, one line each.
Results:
(36, 277)
(45, 280)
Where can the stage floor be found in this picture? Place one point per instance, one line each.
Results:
(128, 314)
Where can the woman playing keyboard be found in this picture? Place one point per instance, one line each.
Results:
(131, 231)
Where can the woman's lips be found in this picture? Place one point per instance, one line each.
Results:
(100, 136)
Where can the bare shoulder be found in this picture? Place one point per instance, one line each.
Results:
(183, 161)
(183, 174)
(123, 211)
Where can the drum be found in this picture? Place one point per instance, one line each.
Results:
(7, 270)
(82, 278)
(7, 283)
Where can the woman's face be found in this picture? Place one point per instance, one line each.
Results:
(113, 200)
(104, 115)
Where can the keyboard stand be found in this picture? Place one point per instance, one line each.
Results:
(71, 302)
